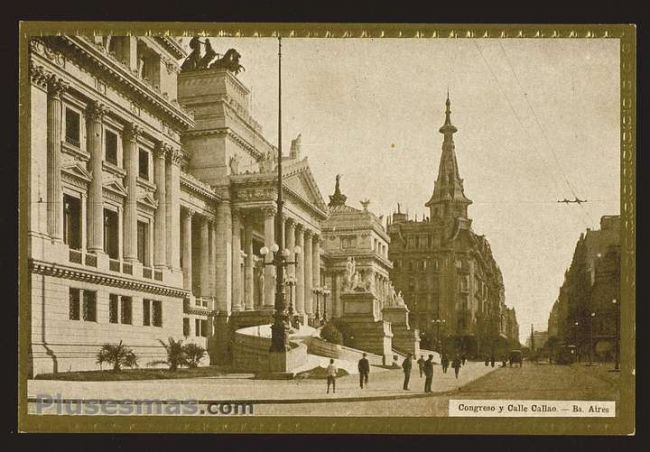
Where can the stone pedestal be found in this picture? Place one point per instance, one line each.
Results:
(405, 339)
(219, 343)
(243, 319)
(361, 311)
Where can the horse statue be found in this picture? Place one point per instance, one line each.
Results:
(230, 62)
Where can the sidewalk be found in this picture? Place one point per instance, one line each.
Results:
(384, 384)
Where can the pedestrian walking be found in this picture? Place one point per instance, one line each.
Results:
(487, 360)
(407, 365)
(428, 373)
(492, 360)
(364, 370)
(456, 365)
(421, 365)
(445, 363)
(463, 359)
(331, 377)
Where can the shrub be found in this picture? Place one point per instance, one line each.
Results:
(176, 355)
(194, 354)
(346, 330)
(119, 355)
(331, 334)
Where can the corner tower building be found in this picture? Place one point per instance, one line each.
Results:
(446, 272)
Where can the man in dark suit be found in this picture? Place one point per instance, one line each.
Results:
(364, 370)
(407, 365)
(428, 373)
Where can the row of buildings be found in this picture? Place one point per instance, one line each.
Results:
(586, 312)
(447, 273)
(151, 193)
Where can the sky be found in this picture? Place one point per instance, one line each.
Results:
(538, 121)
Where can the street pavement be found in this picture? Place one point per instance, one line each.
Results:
(531, 382)
(383, 384)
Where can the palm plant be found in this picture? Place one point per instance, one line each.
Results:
(194, 354)
(176, 355)
(119, 355)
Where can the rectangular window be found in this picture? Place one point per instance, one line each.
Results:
(74, 301)
(113, 308)
(111, 234)
(204, 328)
(186, 326)
(72, 127)
(72, 222)
(156, 312)
(146, 312)
(90, 306)
(143, 164)
(111, 147)
(197, 327)
(126, 314)
(143, 243)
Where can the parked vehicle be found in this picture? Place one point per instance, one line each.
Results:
(516, 357)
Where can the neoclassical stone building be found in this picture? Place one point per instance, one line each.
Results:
(450, 280)
(150, 193)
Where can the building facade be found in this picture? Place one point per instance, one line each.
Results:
(586, 311)
(450, 280)
(151, 196)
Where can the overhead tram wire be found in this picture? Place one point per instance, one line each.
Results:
(541, 128)
(501, 90)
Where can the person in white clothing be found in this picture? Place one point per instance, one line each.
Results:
(331, 377)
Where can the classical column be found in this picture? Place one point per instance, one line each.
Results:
(315, 266)
(290, 241)
(269, 270)
(212, 237)
(95, 218)
(309, 296)
(173, 210)
(160, 234)
(249, 275)
(131, 208)
(187, 249)
(84, 228)
(300, 270)
(204, 276)
(55, 88)
(236, 260)
(223, 257)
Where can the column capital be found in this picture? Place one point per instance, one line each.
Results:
(132, 131)
(300, 229)
(161, 150)
(56, 86)
(269, 211)
(290, 222)
(96, 110)
(38, 75)
(175, 156)
(308, 233)
(189, 212)
(316, 237)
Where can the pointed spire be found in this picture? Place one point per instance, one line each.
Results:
(447, 129)
(338, 198)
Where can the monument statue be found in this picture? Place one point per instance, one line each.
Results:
(209, 55)
(350, 267)
(196, 61)
(191, 63)
(234, 164)
(399, 301)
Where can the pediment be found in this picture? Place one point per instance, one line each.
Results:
(301, 181)
(116, 187)
(77, 171)
(149, 201)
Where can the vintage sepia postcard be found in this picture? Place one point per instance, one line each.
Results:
(326, 228)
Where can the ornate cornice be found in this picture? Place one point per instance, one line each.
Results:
(80, 48)
(197, 187)
(62, 271)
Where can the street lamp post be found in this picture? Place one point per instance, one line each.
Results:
(591, 337)
(438, 323)
(617, 345)
(575, 339)
(317, 291)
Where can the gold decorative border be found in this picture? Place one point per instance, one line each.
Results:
(623, 424)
